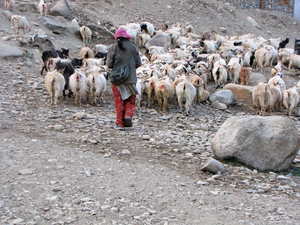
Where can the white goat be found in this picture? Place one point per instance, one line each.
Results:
(86, 34)
(185, 91)
(54, 83)
(235, 65)
(220, 73)
(19, 23)
(277, 80)
(96, 83)
(290, 99)
(78, 85)
(42, 8)
(261, 96)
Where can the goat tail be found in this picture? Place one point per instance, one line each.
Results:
(184, 87)
(218, 73)
(93, 79)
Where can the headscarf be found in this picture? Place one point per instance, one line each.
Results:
(122, 33)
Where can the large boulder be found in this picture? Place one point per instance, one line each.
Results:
(10, 51)
(56, 24)
(161, 40)
(256, 78)
(241, 93)
(223, 96)
(62, 8)
(264, 143)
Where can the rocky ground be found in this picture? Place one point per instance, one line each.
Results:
(67, 165)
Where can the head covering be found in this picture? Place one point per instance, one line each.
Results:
(122, 33)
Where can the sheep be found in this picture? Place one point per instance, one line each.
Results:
(294, 61)
(86, 34)
(86, 52)
(163, 91)
(148, 28)
(9, 5)
(42, 8)
(54, 83)
(96, 83)
(78, 85)
(234, 66)
(244, 75)
(20, 23)
(290, 99)
(185, 91)
(261, 96)
(220, 73)
(276, 98)
(277, 80)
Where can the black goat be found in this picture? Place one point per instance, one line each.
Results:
(67, 69)
(283, 43)
(63, 54)
(77, 62)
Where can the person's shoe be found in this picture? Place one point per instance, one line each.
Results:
(128, 122)
(119, 128)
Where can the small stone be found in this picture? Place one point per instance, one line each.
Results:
(25, 172)
(58, 127)
(146, 137)
(125, 152)
(47, 217)
(79, 115)
(16, 221)
(179, 125)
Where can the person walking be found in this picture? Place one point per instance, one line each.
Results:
(125, 93)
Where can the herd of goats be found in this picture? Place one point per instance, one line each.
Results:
(176, 63)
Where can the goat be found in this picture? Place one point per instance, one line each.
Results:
(277, 69)
(234, 66)
(78, 85)
(20, 23)
(148, 28)
(86, 52)
(42, 8)
(276, 98)
(96, 83)
(290, 99)
(140, 86)
(150, 89)
(261, 96)
(185, 91)
(220, 73)
(283, 43)
(163, 91)
(9, 5)
(86, 34)
(201, 94)
(277, 80)
(67, 70)
(54, 83)
(294, 62)
(244, 75)
(63, 54)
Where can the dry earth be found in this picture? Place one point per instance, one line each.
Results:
(67, 165)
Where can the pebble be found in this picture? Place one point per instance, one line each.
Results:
(125, 152)
(25, 172)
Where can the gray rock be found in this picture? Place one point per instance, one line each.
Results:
(252, 22)
(79, 115)
(25, 172)
(62, 8)
(264, 143)
(56, 24)
(242, 93)
(218, 105)
(10, 51)
(74, 28)
(256, 78)
(213, 166)
(223, 96)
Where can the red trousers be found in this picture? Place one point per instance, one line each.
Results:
(123, 108)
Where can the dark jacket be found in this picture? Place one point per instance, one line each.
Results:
(117, 58)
